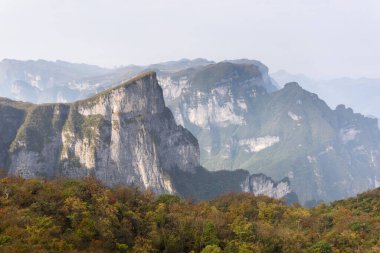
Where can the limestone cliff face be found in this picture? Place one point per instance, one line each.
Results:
(259, 184)
(124, 135)
(215, 103)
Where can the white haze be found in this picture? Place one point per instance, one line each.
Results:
(320, 38)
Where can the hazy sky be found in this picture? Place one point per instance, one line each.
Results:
(319, 38)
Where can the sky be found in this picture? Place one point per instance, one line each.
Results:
(322, 39)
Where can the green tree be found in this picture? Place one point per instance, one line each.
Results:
(243, 229)
(211, 249)
(209, 235)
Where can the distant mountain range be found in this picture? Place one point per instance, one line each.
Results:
(241, 118)
(48, 82)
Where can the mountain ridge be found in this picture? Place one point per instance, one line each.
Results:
(123, 135)
(343, 90)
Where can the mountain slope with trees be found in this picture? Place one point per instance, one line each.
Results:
(85, 216)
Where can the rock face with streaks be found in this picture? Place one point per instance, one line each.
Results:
(124, 135)
(216, 103)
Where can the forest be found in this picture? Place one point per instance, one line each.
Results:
(65, 215)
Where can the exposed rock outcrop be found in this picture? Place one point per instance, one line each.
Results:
(124, 135)
(263, 185)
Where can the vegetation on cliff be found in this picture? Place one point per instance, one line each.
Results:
(84, 216)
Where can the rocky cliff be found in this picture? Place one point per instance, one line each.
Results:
(216, 103)
(124, 135)
(263, 185)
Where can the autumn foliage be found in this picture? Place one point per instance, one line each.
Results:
(85, 216)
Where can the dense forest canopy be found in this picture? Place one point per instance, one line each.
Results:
(85, 216)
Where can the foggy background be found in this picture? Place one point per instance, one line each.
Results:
(321, 39)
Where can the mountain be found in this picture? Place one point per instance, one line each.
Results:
(174, 66)
(360, 93)
(123, 136)
(242, 121)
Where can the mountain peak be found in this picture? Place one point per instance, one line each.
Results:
(292, 85)
(145, 77)
(140, 95)
(213, 75)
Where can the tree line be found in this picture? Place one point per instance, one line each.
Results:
(66, 215)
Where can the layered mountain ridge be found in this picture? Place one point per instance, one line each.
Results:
(123, 136)
(51, 82)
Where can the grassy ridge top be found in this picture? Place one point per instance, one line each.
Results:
(129, 82)
(213, 74)
(84, 216)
